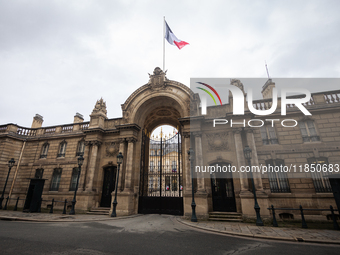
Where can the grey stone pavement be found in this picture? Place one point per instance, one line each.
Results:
(249, 230)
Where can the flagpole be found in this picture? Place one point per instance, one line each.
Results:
(164, 44)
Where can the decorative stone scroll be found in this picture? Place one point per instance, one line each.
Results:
(111, 149)
(217, 141)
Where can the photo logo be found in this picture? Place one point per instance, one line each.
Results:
(238, 100)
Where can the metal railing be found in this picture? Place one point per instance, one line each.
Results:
(304, 224)
(51, 209)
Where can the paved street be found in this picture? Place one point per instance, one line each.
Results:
(148, 234)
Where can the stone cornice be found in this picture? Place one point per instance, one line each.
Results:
(128, 126)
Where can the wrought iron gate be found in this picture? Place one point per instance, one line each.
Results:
(161, 176)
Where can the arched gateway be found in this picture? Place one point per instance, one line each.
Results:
(159, 167)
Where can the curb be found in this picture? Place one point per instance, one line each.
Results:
(11, 218)
(291, 239)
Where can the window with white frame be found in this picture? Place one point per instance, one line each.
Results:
(55, 179)
(44, 150)
(62, 149)
(268, 135)
(278, 180)
(308, 131)
(320, 181)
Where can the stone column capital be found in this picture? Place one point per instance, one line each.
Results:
(186, 134)
(249, 130)
(93, 142)
(131, 139)
(121, 140)
(237, 130)
(197, 134)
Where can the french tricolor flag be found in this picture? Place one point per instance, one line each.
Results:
(172, 39)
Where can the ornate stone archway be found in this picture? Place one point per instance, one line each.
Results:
(160, 101)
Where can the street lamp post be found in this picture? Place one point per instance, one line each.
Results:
(247, 155)
(10, 165)
(191, 154)
(80, 163)
(114, 203)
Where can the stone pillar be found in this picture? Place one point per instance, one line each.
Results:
(129, 164)
(84, 168)
(186, 163)
(254, 160)
(240, 158)
(122, 148)
(199, 161)
(92, 165)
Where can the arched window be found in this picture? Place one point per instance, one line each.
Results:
(44, 150)
(62, 149)
(80, 148)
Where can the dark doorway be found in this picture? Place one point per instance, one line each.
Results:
(223, 192)
(108, 185)
(33, 197)
(161, 175)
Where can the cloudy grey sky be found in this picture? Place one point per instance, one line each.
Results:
(58, 57)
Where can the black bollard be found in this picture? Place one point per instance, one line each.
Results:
(16, 205)
(51, 211)
(64, 211)
(335, 224)
(5, 207)
(274, 218)
(39, 208)
(304, 224)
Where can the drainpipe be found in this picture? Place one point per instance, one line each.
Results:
(16, 170)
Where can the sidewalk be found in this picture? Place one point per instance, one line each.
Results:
(230, 228)
(274, 233)
(55, 217)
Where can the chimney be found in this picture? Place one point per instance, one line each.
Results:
(267, 89)
(37, 121)
(78, 118)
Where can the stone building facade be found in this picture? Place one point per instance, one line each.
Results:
(51, 153)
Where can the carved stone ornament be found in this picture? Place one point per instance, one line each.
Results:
(217, 141)
(111, 149)
(94, 142)
(237, 83)
(100, 107)
(157, 80)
